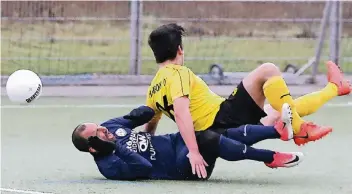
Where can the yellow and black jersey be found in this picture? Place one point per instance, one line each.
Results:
(174, 81)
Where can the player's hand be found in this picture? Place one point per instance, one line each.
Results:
(198, 164)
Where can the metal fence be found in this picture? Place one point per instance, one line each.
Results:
(70, 38)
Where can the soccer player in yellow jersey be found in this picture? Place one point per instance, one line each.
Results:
(185, 98)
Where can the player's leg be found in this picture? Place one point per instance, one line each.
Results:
(305, 105)
(337, 86)
(251, 134)
(310, 103)
(213, 145)
(232, 150)
(266, 82)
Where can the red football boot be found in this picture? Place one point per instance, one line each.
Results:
(286, 159)
(310, 132)
(335, 76)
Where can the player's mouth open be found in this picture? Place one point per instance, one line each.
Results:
(111, 136)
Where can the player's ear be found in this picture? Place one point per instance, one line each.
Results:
(180, 50)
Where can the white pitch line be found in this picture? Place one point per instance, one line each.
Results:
(348, 104)
(73, 106)
(23, 191)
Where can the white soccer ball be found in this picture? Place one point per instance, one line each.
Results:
(24, 87)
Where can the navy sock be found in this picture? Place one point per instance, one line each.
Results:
(232, 150)
(251, 134)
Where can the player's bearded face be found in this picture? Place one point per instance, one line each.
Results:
(104, 134)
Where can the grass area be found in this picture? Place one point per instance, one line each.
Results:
(112, 56)
(38, 155)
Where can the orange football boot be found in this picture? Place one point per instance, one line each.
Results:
(286, 159)
(335, 76)
(310, 132)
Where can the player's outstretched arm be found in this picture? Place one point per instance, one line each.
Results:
(180, 91)
(137, 117)
(184, 123)
(124, 164)
(151, 126)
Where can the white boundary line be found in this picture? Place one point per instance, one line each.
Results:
(73, 106)
(23, 191)
(348, 104)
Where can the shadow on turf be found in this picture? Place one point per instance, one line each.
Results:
(225, 181)
(232, 181)
(247, 181)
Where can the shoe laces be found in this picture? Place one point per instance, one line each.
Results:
(338, 66)
(310, 124)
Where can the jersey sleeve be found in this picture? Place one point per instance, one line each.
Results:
(157, 112)
(180, 83)
(124, 165)
(150, 103)
(137, 117)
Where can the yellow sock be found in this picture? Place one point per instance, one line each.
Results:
(277, 93)
(310, 103)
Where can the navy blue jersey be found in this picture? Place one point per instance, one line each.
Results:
(139, 154)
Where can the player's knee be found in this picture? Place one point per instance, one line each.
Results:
(269, 69)
(270, 111)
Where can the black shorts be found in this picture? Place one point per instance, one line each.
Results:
(238, 109)
(208, 145)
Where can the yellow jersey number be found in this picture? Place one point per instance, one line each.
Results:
(166, 108)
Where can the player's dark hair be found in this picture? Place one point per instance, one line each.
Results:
(165, 40)
(78, 141)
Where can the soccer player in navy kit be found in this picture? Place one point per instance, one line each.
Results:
(122, 153)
